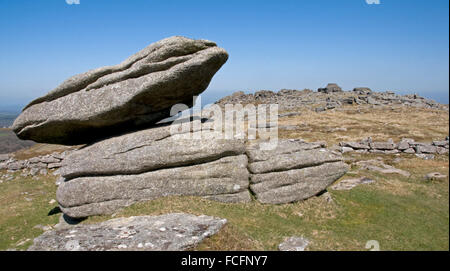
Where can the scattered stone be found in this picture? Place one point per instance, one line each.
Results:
(4, 157)
(225, 179)
(346, 149)
(327, 197)
(425, 148)
(435, 176)
(356, 145)
(338, 129)
(288, 127)
(379, 166)
(348, 184)
(331, 87)
(294, 244)
(320, 109)
(183, 231)
(382, 145)
(425, 156)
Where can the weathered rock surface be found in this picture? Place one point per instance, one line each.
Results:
(225, 180)
(169, 232)
(406, 145)
(349, 184)
(136, 93)
(143, 151)
(435, 176)
(294, 171)
(4, 157)
(150, 164)
(379, 166)
(331, 87)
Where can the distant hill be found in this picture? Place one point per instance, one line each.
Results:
(9, 142)
(7, 119)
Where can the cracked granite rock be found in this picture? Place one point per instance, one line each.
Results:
(293, 171)
(169, 232)
(114, 99)
(224, 180)
(149, 164)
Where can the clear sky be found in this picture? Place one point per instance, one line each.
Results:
(398, 45)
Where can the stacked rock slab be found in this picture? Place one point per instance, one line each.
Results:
(293, 171)
(134, 94)
(149, 164)
(130, 158)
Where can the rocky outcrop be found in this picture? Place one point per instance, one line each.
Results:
(288, 100)
(35, 165)
(331, 87)
(136, 93)
(224, 180)
(145, 165)
(169, 232)
(379, 166)
(149, 164)
(294, 171)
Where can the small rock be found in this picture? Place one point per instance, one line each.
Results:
(425, 156)
(351, 183)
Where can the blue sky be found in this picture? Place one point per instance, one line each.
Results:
(398, 45)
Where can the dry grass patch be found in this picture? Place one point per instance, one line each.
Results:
(360, 122)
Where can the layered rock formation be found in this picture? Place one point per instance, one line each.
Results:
(294, 171)
(331, 87)
(109, 100)
(149, 164)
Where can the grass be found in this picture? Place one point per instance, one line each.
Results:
(423, 125)
(24, 204)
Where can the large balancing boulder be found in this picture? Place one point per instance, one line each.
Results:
(129, 96)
